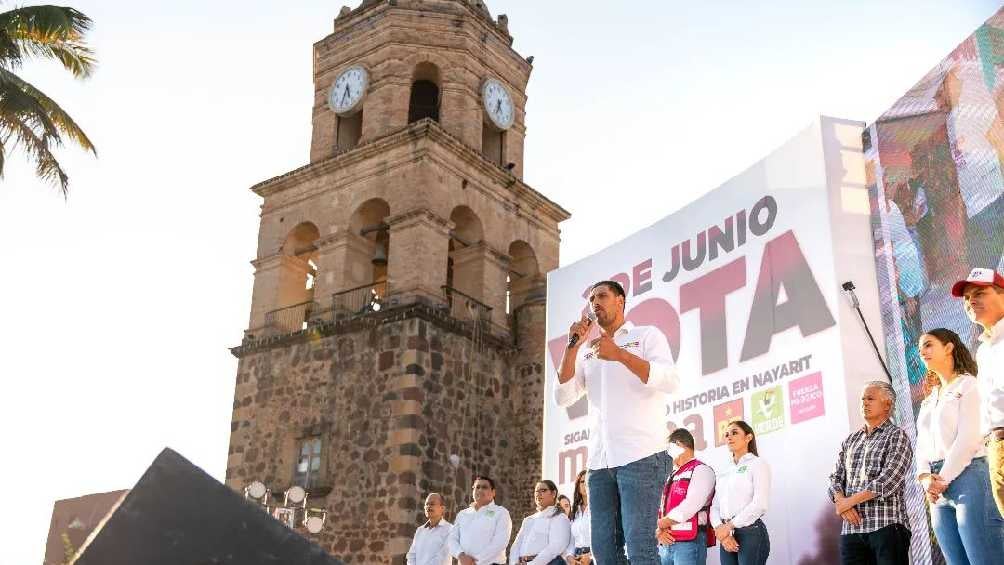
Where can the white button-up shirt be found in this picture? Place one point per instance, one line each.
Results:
(581, 532)
(429, 547)
(483, 534)
(627, 415)
(990, 359)
(948, 428)
(544, 534)
(741, 492)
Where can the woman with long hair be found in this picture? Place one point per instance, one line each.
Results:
(578, 548)
(951, 459)
(565, 505)
(543, 536)
(741, 495)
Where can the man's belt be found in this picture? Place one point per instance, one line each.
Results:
(527, 558)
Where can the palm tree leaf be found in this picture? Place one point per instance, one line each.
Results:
(37, 148)
(50, 32)
(51, 111)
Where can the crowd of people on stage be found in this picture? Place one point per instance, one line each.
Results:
(613, 517)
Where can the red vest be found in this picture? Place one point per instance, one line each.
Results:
(673, 494)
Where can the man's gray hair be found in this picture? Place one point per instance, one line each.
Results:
(886, 389)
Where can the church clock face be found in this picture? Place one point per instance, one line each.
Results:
(348, 91)
(498, 104)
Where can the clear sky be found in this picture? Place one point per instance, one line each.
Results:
(118, 305)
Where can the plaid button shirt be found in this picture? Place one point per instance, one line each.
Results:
(879, 463)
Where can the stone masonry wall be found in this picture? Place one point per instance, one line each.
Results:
(391, 402)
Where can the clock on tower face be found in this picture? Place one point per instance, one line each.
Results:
(348, 90)
(498, 104)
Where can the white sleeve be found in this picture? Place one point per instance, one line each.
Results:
(923, 429)
(565, 394)
(662, 372)
(757, 506)
(412, 556)
(967, 437)
(558, 533)
(516, 543)
(702, 483)
(716, 513)
(453, 540)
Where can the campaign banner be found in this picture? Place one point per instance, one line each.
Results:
(743, 284)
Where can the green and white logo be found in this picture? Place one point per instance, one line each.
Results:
(768, 410)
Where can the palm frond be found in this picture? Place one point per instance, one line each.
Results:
(37, 148)
(48, 32)
(58, 117)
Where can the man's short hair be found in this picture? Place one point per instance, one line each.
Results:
(442, 499)
(614, 286)
(886, 389)
(683, 437)
(484, 478)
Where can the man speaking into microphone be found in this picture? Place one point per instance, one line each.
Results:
(625, 374)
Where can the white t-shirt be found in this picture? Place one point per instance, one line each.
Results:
(483, 534)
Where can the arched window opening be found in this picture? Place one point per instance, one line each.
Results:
(367, 259)
(424, 100)
(524, 280)
(298, 271)
(465, 265)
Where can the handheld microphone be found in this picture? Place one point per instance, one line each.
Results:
(574, 338)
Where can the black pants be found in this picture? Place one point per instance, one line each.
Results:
(886, 546)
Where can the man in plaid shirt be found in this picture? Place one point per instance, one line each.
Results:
(867, 484)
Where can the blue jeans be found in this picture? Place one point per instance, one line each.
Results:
(694, 552)
(624, 509)
(754, 546)
(965, 519)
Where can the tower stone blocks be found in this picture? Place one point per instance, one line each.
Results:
(396, 338)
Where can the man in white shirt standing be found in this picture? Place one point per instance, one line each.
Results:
(626, 374)
(983, 297)
(481, 532)
(430, 544)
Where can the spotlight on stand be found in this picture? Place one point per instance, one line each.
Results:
(258, 492)
(314, 518)
(376, 302)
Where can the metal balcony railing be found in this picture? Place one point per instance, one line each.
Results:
(290, 318)
(366, 298)
(465, 307)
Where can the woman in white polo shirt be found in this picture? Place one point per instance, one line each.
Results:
(951, 462)
(741, 494)
(578, 552)
(543, 536)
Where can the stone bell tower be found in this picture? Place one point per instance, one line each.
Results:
(396, 338)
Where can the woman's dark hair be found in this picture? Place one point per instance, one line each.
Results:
(683, 437)
(553, 488)
(749, 431)
(962, 359)
(577, 503)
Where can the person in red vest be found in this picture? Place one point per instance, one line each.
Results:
(683, 530)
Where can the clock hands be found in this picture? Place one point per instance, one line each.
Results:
(345, 94)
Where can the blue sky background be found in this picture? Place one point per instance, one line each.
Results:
(119, 304)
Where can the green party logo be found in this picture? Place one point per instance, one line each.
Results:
(768, 410)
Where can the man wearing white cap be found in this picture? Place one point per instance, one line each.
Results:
(983, 296)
